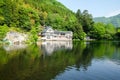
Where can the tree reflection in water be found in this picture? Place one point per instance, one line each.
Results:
(46, 61)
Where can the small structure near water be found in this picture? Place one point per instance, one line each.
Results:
(49, 34)
(15, 37)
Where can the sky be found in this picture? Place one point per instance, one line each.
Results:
(98, 8)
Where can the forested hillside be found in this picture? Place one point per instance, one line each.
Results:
(26, 14)
(115, 20)
(32, 15)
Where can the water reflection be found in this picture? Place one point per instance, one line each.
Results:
(48, 47)
(67, 61)
(14, 47)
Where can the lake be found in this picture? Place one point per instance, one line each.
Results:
(63, 60)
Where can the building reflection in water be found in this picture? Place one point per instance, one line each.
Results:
(48, 47)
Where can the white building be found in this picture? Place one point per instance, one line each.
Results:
(49, 34)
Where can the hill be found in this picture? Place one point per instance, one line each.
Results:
(32, 15)
(28, 14)
(115, 20)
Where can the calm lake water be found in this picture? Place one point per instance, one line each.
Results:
(61, 61)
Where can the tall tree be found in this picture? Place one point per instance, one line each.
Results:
(79, 16)
(87, 21)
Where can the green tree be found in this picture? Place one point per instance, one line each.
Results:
(33, 35)
(110, 31)
(87, 21)
(78, 32)
(98, 31)
(79, 16)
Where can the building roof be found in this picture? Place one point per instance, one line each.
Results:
(64, 32)
(56, 31)
(46, 28)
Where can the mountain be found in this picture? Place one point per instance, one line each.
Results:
(30, 14)
(115, 20)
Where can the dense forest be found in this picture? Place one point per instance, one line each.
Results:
(32, 15)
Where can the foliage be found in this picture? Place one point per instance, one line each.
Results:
(98, 31)
(110, 31)
(3, 30)
(117, 35)
(85, 19)
(103, 31)
(33, 35)
(78, 32)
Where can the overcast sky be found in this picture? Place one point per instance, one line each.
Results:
(97, 8)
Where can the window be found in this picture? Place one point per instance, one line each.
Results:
(62, 33)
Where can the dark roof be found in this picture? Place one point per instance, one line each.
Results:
(63, 32)
(55, 31)
(46, 28)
